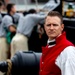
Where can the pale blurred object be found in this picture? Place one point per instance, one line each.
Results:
(40, 30)
(51, 5)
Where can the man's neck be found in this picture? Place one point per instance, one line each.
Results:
(50, 39)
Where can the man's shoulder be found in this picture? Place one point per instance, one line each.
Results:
(69, 50)
(7, 17)
(66, 55)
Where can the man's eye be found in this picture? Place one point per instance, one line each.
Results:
(48, 24)
(55, 24)
(52, 24)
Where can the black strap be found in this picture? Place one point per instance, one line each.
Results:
(52, 43)
(12, 18)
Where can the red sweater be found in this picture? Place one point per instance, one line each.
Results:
(49, 55)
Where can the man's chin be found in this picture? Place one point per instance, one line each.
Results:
(53, 37)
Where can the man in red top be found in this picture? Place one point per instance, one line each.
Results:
(58, 57)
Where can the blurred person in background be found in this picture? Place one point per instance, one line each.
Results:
(24, 30)
(9, 24)
(35, 35)
(3, 42)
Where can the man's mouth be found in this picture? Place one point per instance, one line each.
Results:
(51, 32)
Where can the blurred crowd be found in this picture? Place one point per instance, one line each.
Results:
(21, 31)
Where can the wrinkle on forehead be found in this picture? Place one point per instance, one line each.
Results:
(53, 19)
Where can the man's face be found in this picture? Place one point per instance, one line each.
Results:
(53, 26)
(13, 9)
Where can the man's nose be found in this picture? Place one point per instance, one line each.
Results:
(51, 27)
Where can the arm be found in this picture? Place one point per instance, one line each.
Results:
(9, 24)
(66, 61)
(40, 16)
(36, 17)
(12, 28)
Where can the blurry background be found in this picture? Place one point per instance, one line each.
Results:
(65, 7)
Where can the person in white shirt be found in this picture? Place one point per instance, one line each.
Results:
(23, 32)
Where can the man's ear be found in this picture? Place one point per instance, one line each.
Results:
(62, 27)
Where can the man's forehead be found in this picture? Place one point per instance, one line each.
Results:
(53, 19)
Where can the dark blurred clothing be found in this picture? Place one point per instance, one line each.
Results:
(34, 41)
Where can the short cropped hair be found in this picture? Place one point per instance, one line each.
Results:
(31, 11)
(55, 13)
